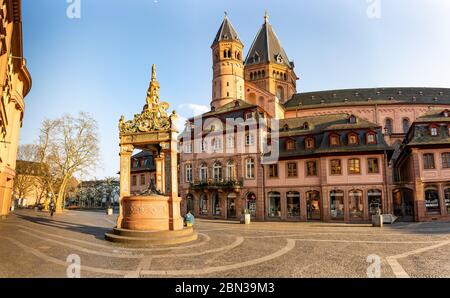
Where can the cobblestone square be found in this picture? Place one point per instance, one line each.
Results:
(33, 244)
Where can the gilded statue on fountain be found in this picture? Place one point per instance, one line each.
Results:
(154, 114)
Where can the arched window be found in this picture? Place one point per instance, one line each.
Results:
(217, 171)
(263, 74)
(434, 130)
(290, 145)
(224, 53)
(189, 203)
(374, 201)
(432, 200)
(371, 138)
(352, 138)
(216, 210)
(405, 123)
(285, 127)
(230, 172)
(250, 168)
(229, 53)
(280, 93)
(335, 139)
(313, 205)
(251, 76)
(305, 126)
(388, 126)
(293, 203)
(274, 204)
(251, 204)
(337, 204)
(356, 204)
(285, 77)
(203, 206)
(203, 173)
(447, 198)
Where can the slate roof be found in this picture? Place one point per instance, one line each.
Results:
(420, 133)
(267, 47)
(320, 128)
(369, 96)
(226, 32)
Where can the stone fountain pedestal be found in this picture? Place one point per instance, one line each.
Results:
(146, 220)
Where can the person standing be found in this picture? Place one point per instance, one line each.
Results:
(52, 207)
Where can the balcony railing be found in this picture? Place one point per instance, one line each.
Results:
(218, 184)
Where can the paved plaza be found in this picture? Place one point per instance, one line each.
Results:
(32, 244)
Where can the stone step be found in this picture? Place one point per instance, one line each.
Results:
(153, 234)
(144, 241)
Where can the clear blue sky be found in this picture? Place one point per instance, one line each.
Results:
(101, 63)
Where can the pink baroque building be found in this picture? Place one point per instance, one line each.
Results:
(143, 172)
(339, 155)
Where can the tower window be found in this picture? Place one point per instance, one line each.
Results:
(228, 94)
(228, 84)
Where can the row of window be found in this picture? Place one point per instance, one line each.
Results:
(261, 74)
(334, 139)
(217, 171)
(353, 165)
(337, 210)
(429, 161)
(227, 54)
(432, 202)
(216, 143)
(135, 177)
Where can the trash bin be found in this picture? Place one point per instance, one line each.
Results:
(189, 219)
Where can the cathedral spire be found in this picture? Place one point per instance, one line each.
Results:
(266, 47)
(226, 31)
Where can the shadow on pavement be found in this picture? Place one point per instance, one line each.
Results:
(97, 232)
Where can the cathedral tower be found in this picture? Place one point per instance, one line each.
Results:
(267, 64)
(228, 67)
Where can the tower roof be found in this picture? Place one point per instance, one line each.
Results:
(226, 31)
(267, 47)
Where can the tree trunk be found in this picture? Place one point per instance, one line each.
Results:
(61, 194)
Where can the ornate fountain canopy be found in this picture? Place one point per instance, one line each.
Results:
(154, 115)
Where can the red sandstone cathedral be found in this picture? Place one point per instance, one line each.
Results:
(343, 155)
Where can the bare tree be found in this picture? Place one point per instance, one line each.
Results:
(68, 145)
(27, 169)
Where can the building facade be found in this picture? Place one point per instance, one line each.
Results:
(15, 83)
(336, 152)
(143, 172)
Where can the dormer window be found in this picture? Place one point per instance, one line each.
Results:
(352, 119)
(248, 115)
(286, 127)
(309, 143)
(445, 113)
(279, 58)
(334, 140)
(256, 58)
(290, 145)
(434, 131)
(236, 104)
(306, 126)
(371, 138)
(352, 139)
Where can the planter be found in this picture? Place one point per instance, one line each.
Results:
(377, 220)
(245, 218)
(110, 211)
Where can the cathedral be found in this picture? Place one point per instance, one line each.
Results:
(342, 155)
